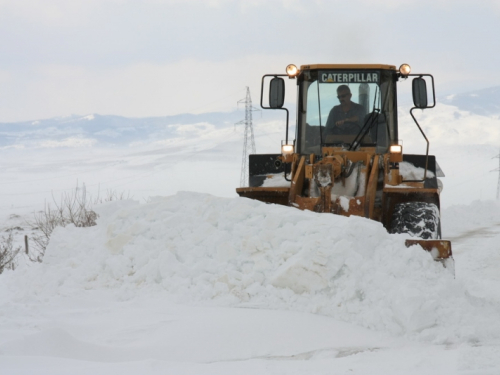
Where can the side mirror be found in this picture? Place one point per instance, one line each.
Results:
(419, 88)
(276, 92)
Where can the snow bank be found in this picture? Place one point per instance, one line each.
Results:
(239, 252)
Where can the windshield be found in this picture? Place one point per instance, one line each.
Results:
(346, 107)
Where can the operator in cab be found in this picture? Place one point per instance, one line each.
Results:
(347, 117)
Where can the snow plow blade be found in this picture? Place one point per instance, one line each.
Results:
(439, 249)
(276, 195)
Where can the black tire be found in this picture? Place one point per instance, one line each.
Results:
(418, 219)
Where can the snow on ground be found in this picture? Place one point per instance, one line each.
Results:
(190, 283)
(193, 283)
(476, 230)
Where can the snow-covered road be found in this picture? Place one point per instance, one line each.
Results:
(97, 334)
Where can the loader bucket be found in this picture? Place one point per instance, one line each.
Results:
(439, 249)
(277, 195)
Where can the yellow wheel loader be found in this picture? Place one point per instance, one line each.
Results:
(346, 158)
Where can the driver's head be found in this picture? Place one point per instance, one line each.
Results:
(344, 94)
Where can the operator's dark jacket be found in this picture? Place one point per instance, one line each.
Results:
(337, 114)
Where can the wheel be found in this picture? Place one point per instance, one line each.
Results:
(418, 219)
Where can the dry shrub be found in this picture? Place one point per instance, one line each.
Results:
(74, 208)
(7, 252)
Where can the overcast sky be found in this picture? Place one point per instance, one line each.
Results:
(163, 57)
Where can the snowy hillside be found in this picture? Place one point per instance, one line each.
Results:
(484, 102)
(197, 157)
(193, 283)
(99, 130)
(42, 161)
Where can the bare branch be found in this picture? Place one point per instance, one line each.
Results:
(75, 208)
(8, 253)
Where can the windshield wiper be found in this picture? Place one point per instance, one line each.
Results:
(319, 110)
(369, 122)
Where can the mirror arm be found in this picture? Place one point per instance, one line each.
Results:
(427, 150)
(416, 122)
(262, 96)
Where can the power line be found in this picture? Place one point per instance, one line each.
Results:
(495, 170)
(247, 148)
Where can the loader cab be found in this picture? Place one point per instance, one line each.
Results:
(371, 86)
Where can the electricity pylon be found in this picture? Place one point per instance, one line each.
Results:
(248, 147)
(497, 169)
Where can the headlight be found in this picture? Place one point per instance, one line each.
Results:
(396, 149)
(396, 154)
(404, 70)
(286, 149)
(292, 70)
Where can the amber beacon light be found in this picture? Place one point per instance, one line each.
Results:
(292, 70)
(404, 70)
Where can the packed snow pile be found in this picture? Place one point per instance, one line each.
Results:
(239, 252)
(409, 172)
(276, 180)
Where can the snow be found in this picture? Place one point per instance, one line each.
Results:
(176, 281)
(276, 180)
(192, 283)
(354, 185)
(237, 251)
(410, 172)
(349, 187)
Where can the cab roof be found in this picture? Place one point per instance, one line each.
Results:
(347, 66)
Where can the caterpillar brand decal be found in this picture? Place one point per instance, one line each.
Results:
(348, 77)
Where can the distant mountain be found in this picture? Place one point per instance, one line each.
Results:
(116, 130)
(485, 102)
(457, 126)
